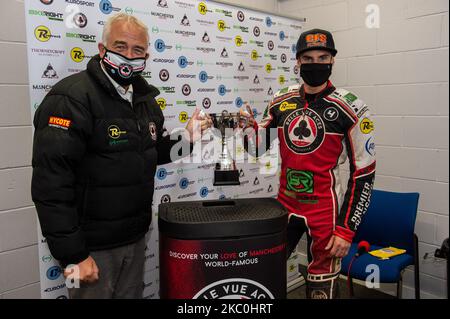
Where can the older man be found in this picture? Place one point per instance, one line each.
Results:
(99, 137)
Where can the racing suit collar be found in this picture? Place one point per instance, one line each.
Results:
(325, 92)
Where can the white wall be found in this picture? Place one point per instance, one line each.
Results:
(401, 70)
(19, 268)
(265, 5)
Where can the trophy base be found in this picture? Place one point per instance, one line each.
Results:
(226, 178)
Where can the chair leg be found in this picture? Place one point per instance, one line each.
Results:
(416, 267)
(400, 288)
(351, 290)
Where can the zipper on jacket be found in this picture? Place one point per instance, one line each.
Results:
(141, 138)
(83, 219)
(138, 126)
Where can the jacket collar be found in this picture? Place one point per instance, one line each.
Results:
(325, 92)
(142, 90)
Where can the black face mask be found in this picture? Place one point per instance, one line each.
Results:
(315, 74)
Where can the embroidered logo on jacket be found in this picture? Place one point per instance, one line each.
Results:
(152, 130)
(366, 126)
(59, 122)
(304, 131)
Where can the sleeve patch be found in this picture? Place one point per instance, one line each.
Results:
(350, 98)
(366, 126)
(59, 122)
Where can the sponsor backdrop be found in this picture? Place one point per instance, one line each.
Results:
(205, 54)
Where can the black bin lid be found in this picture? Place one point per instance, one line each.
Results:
(222, 218)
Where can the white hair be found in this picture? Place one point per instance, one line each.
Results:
(122, 17)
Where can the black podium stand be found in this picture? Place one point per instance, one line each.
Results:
(223, 249)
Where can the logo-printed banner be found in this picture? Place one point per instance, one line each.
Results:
(202, 54)
(194, 269)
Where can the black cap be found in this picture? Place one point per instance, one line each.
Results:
(315, 39)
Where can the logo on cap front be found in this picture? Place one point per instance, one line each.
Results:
(316, 40)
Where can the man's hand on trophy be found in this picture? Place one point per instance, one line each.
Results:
(247, 115)
(198, 124)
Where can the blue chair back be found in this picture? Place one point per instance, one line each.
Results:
(390, 220)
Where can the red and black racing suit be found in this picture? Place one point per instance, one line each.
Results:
(316, 137)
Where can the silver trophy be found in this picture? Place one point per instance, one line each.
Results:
(226, 173)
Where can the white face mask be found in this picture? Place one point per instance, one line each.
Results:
(123, 70)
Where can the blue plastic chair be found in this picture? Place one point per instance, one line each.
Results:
(389, 221)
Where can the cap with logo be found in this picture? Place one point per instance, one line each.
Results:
(315, 39)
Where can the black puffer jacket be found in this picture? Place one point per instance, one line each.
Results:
(94, 161)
